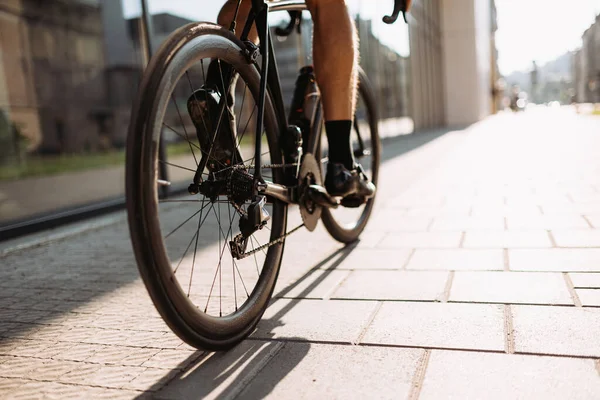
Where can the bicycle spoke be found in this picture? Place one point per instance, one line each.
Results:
(183, 125)
(176, 166)
(184, 222)
(254, 254)
(189, 244)
(232, 260)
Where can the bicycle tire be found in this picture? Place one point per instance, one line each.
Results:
(196, 328)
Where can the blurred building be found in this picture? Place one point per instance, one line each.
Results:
(453, 61)
(586, 66)
(52, 72)
(69, 71)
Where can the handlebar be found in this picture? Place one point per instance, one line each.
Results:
(399, 6)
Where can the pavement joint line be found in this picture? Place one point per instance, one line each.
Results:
(430, 224)
(588, 221)
(508, 330)
(541, 209)
(419, 377)
(335, 287)
(505, 220)
(572, 290)
(76, 384)
(463, 235)
(448, 287)
(410, 256)
(240, 384)
(552, 240)
(506, 259)
(363, 331)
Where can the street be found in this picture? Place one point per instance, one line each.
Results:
(478, 277)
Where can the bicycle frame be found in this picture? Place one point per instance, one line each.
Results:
(269, 76)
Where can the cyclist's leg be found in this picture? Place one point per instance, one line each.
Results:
(335, 53)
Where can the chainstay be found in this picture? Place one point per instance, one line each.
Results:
(271, 243)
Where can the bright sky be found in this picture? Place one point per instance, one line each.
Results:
(540, 30)
(528, 30)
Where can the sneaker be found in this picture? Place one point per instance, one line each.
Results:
(353, 186)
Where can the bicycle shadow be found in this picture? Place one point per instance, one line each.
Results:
(229, 374)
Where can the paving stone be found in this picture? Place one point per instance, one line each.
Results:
(8, 385)
(172, 359)
(222, 374)
(81, 375)
(375, 259)
(577, 238)
(547, 222)
(589, 297)
(330, 320)
(457, 259)
(582, 280)
(453, 210)
(152, 379)
(113, 376)
(421, 240)
(510, 287)
(570, 331)
(53, 369)
(137, 357)
(506, 210)
(78, 352)
(469, 375)
(389, 223)
(444, 325)
(507, 239)
(316, 285)
(585, 260)
(313, 371)
(467, 223)
(370, 240)
(19, 367)
(393, 285)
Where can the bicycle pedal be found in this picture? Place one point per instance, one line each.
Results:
(319, 195)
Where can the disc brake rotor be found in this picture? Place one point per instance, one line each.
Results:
(310, 174)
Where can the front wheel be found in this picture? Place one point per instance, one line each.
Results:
(346, 224)
(209, 298)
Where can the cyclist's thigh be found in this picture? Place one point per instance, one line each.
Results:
(313, 4)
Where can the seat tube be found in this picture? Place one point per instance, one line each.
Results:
(262, 25)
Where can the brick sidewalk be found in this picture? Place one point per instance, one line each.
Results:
(479, 277)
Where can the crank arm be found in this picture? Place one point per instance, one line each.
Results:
(289, 195)
(280, 192)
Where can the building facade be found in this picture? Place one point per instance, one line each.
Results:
(586, 66)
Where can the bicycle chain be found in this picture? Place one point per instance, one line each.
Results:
(271, 243)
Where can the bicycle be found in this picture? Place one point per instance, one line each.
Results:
(242, 189)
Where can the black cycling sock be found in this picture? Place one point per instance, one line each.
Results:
(338, 137)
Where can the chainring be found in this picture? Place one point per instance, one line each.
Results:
(310, 174)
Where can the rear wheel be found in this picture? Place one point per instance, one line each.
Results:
(346, 224)
(210, 299)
